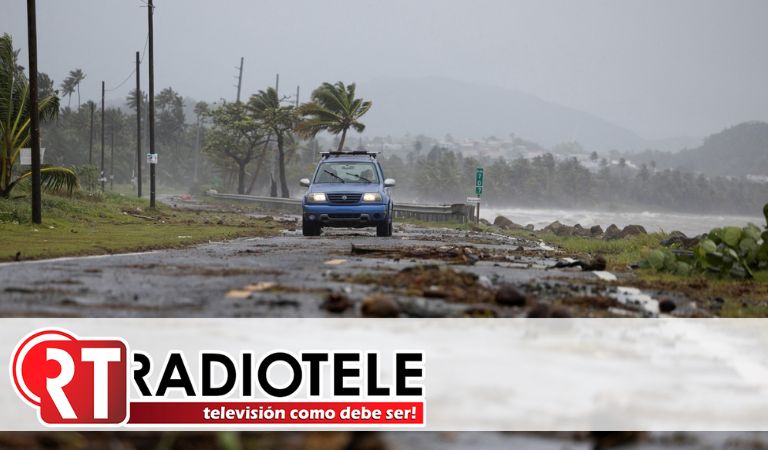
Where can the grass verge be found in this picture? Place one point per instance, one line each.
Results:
(113, 223)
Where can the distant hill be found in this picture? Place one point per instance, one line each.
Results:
(437, 106)
(737, 151)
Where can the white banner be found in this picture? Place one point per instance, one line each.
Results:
(430, 374)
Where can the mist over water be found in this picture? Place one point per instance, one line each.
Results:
(690, 224)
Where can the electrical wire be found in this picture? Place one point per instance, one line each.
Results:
(141, 60)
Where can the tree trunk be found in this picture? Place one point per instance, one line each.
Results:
(78, 96)
(281, 166)
(343, 138)
(258, 167)
(241, 177)
(254, 177)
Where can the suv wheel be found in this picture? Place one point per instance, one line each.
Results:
(384, 229)
(310, 229)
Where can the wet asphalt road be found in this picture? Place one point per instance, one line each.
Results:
(283, 276)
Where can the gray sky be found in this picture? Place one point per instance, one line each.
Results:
(662, 68)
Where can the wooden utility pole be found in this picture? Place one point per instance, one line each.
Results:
(37, 213)
(297, 96)
(153, 162)
(112, 157)
(90, 142)
(240, 79)
(197, 147)
(138, 124)
(102, 177)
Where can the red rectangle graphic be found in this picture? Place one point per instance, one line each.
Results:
(277, 413)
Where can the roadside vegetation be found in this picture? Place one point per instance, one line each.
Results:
(95, 224)
(729, 252)
(712, 281)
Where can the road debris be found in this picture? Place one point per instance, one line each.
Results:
(598, 263)
(336, 302)
(380, 306)
(335, 262)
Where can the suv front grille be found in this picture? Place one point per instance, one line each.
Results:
(344, 198)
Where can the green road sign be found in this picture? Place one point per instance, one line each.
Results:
(479, 176)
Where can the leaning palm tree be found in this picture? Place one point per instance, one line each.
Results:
(15, 126)
(279, 120)
(77, 76)
(67, 89)
(334, 109)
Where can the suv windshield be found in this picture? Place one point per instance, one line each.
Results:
(346, 172)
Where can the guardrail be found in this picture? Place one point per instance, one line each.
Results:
(458, 212)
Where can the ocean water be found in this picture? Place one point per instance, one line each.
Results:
(690, 224)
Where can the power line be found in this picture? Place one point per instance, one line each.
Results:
(130, 75)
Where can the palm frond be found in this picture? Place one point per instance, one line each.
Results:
(53, 179)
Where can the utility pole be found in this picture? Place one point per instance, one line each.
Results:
(90, 142)
(277, 84)
(138, 124)
(197, 147)
(297, 96)
(112, 157)
(153, 160)
(102, 178)
(240, 79)
(37, 213)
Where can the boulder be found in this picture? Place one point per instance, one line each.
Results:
(503, 222)
(632, 230)
(507, 295)
(529, 227)
(612, 232)
(559, 229)
(578, 230)
(336, 302)
(380, 306)
(596, 231)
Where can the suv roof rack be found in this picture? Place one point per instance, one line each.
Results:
(327, 155)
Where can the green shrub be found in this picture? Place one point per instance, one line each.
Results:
(729, 251)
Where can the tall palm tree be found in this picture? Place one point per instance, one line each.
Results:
(67, 89)
(280, 120)
(77, 76)
(334, 109)
(15, 124)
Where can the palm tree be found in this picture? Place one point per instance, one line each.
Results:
(15, 122)
(131, 99)
(67, 89)
(77, 76)
(334, 109)
(280, 120)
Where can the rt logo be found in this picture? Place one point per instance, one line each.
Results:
(72, 381)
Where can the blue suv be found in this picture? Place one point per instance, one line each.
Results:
(348, 189)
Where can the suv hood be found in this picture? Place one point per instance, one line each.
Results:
(330, 188)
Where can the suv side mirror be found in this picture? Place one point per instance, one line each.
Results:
(304, 182)
(389, 182)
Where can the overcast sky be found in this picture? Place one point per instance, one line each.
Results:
(661, 68)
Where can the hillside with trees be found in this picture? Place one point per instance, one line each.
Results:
(737, 151)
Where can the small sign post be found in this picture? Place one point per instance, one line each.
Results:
(479, 179)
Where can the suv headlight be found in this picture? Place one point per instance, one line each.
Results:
(371, 197)
(317, 197)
